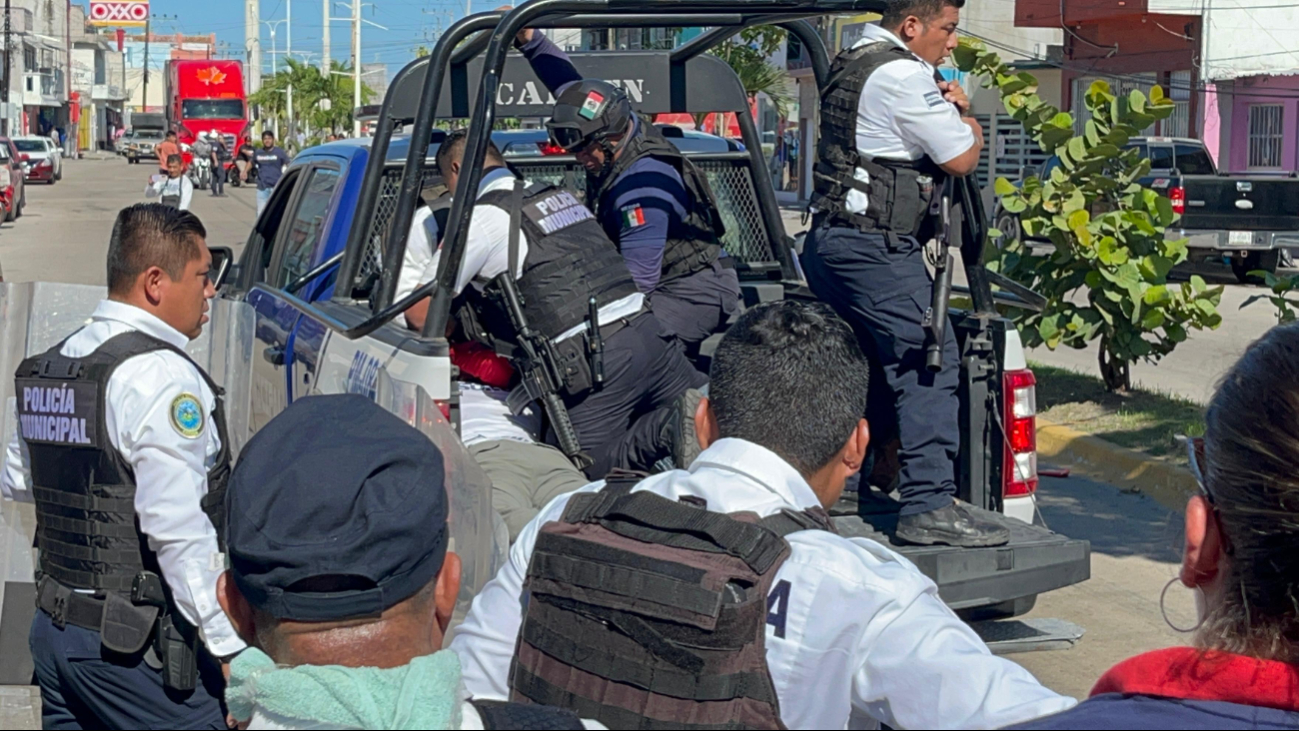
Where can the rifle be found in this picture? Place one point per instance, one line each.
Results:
(935, 320)
(539, 372)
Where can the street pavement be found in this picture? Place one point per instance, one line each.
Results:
(63, 235)
(1135, 541)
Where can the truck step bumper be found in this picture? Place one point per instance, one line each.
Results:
(1009, 636)
(1036, 560)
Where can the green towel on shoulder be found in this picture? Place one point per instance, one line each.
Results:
(426, 694)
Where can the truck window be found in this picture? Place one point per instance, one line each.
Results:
(306, 225)
(212, 109)
(1194, 160)
(1161, 157)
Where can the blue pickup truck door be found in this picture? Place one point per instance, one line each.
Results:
(286, 357)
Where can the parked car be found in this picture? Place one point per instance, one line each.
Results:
(119, 144)
(1250, 218)
(15, 190)
(44, 159)
(143, 145)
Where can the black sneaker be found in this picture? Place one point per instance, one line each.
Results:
(679, 433)
(953, 525)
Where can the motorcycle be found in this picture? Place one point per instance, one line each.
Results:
(200, 173)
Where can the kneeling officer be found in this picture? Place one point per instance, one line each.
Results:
(123, 449)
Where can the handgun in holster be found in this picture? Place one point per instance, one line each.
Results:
(175, 642)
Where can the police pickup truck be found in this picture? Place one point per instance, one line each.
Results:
(319, 269)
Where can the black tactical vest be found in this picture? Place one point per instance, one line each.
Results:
(87, 531)
(696, 243)
(569, 259)
(645, 613)
(899, 192)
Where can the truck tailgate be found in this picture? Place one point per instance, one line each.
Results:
(1241, 203)
(1036, 560)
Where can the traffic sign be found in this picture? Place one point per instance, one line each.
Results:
(119, 12)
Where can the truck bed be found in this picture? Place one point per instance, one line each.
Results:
(1036, 559)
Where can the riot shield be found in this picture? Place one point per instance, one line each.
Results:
(478, 534)
(225, 351)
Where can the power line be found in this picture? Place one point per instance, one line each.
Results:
(1090, 71)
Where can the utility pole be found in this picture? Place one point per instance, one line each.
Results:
(275, 65)
(148, 36)
(325, 64)
(356, 66)
(4, 93)
(288, 53)
(253, 45)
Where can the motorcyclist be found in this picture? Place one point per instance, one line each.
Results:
(202, 151)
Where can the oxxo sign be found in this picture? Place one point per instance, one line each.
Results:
(119, 12)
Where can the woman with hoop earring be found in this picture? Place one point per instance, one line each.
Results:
(1240, 558)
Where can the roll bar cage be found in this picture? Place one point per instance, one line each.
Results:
(418, 95)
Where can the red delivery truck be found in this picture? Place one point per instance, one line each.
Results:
(207, 96)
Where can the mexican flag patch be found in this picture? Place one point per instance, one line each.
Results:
(633, 216)
(593, 104)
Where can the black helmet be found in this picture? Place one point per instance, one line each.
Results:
(586, 112)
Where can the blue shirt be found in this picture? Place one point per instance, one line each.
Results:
(270, 166)
(1117, 710)
(645, 204)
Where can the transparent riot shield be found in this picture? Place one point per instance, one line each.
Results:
(225, 351)
(478, 534)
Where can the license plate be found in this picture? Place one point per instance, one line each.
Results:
(1240, 238)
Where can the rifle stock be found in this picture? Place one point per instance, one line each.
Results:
(540, 372)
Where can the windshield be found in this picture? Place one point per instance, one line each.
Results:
(212, 109)
(29, 145)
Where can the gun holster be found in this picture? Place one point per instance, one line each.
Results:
(176, 644)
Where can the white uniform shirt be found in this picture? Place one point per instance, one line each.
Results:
(485, 417)
(487, 253)
(420, 243)
(860, 628)
(170, 468)
(902, 115)
(181, 186)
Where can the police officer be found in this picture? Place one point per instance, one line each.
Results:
(890, 135)
(122, 447)
(642, 411)
(647, 605)
(652, 201)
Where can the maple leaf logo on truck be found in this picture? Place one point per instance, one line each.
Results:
(212, 75)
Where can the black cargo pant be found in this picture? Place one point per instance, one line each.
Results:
(883, 291)
(620, 424)
(695, 306)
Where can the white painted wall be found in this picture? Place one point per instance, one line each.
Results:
(995, 20)
(1242, 37)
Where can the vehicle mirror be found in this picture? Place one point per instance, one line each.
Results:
(222, 259)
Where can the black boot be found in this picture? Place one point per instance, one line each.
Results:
(679, 434)
(952, 525)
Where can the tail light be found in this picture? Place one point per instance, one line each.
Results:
(1019, 466)
(549, 149)
(1178, 197)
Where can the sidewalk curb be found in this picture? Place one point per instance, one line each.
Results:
(1124, 468)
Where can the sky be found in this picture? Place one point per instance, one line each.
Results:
(410, 23)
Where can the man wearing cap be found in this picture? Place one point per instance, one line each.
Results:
(345, 606)
(122, 447)
(653, 202)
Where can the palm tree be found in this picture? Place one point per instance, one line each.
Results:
(747, 55)
(311, 90)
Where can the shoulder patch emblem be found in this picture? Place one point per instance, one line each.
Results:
(934, 98)
(633, 216)
(187, 416)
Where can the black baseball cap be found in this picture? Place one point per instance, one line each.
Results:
(337, 509)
